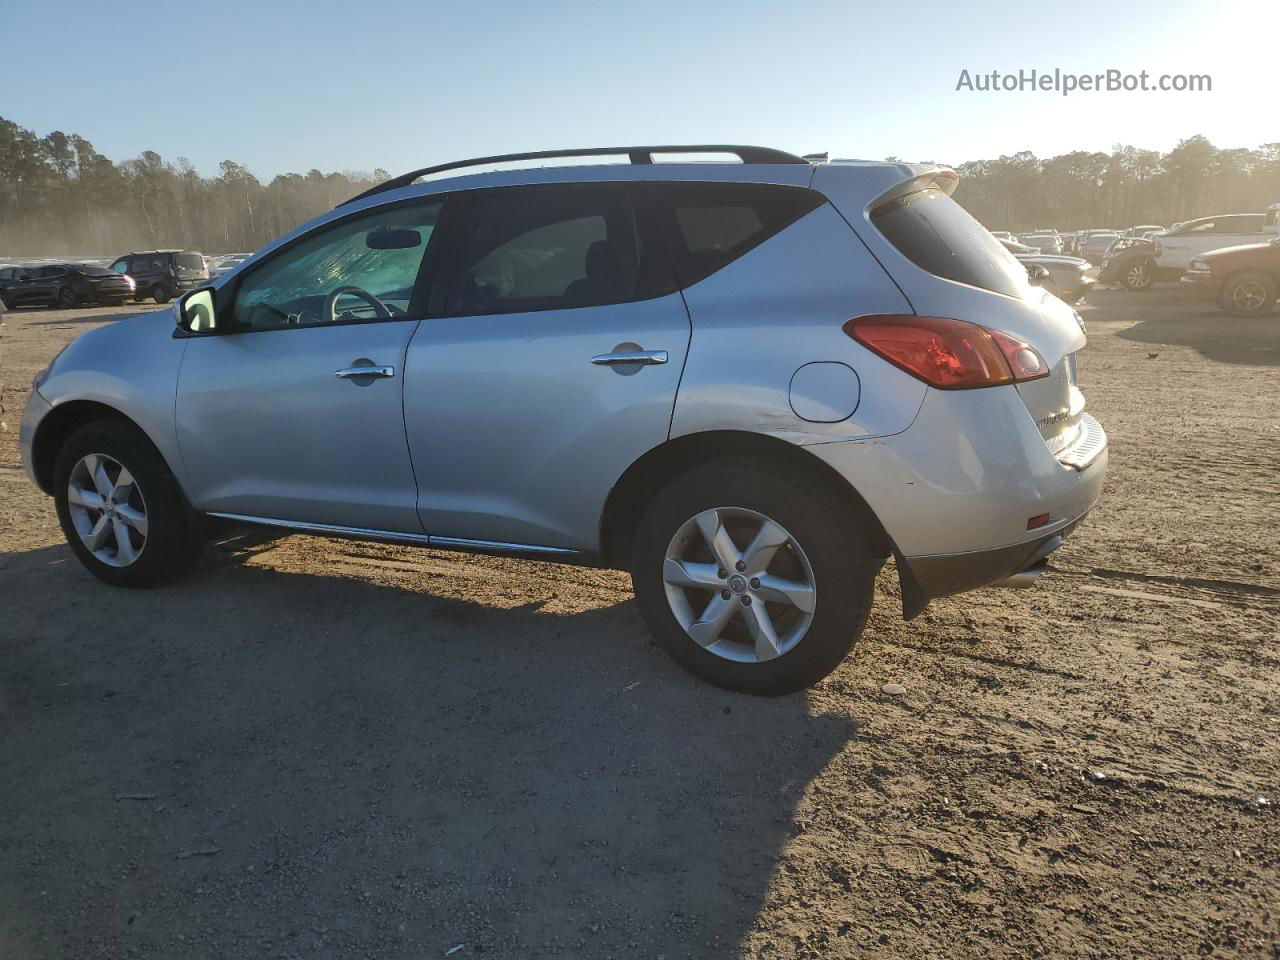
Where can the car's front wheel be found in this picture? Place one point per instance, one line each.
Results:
(1249, 293)
(753, 578)
(120, 507)
(1139, 275)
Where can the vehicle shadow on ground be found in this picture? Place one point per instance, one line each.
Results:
(1217, 335)
(255, 762)
(79, 316)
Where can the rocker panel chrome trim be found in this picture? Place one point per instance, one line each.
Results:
(390, 536)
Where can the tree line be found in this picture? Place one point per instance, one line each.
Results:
(1124, 188)
(59, 196)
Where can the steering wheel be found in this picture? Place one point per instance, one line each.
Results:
(380, 309)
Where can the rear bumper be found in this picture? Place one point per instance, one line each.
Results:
(110, 294)
(928, 578)
(956, 490)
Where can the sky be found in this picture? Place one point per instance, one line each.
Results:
(285, 85)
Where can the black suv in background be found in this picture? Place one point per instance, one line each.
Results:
(163, 274)
(63, 285)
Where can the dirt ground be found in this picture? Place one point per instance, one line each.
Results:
(316, 748)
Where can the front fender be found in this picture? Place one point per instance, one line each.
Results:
(130, 366)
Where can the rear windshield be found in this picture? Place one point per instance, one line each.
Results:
(189, 261)
(936, 234)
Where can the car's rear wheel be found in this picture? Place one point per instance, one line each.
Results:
(1139, 275)
(160, 293)
(753, 578)
(1248, 293)
(67, 299)
(120, 507)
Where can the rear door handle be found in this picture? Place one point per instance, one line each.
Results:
(630, 358)
(375, 370)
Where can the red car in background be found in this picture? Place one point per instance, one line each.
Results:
(1243, 280)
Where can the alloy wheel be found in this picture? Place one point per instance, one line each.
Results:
(739, 584)
(107, 509)
(1249, 295)
(1137, 275)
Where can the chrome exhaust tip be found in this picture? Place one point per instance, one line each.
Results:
(1024, 578)
(1037, 564)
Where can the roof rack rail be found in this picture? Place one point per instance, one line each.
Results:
(641, 155)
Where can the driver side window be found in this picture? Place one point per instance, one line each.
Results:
(360, 270)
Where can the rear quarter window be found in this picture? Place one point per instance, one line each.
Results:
(938, 235)
(709, 225)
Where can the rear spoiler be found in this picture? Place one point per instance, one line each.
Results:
(921, 176)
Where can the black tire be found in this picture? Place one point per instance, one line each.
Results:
(65, 300)
(173, 538)
(1248, 293)
(824, 524)
(160, 293)
(1139, 276)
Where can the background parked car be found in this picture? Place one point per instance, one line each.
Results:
(1243, 280)
(1143, 230)
(8, 277)
(163, 274)
(1069, 278)
(1175, 249)
(1129, 261)
(1047, 242)
(1094, 248)
(65, 285)
(223, 265)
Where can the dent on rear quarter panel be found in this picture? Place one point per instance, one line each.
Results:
(778, 307)
(130, 366)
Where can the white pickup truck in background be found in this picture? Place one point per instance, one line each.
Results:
(1174, 250)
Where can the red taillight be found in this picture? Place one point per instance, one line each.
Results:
(948, 354)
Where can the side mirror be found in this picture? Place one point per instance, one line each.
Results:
(1036, 274)
(393, 238)
(196, 311)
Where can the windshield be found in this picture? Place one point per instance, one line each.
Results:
(295, 286)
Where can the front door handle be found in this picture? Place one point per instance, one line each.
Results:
(630, 358)
(373, 370)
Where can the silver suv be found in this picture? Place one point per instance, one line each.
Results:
(746, 382)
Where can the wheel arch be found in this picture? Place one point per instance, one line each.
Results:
(626, 502)
(58, 424)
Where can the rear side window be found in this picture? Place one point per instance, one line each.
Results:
(1241, 223)
(189, 261)
(937, 235)
(709, 225)
(551, 248)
